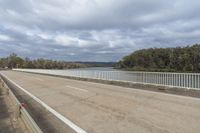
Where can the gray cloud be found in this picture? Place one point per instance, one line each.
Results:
(95, 30)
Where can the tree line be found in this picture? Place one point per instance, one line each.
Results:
(14, 61)
(179, 59)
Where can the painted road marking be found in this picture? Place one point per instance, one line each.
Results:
(133, 89)
(76, 88)
(58, 115)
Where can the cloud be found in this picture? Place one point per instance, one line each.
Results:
(4, 38)
(95, 30)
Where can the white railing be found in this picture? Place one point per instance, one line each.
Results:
(180, 80)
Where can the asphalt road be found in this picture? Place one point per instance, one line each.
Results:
(100, 108)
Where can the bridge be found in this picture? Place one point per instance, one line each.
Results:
(59, 104)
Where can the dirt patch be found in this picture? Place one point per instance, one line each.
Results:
(7, 122)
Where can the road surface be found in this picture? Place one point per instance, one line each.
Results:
(100, 108)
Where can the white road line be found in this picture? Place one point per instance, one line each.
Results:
(76, 88)
(58, 115)
(144, 91)
(140, 90)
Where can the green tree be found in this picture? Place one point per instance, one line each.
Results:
(164, 59)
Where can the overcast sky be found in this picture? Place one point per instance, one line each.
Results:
(95, 30)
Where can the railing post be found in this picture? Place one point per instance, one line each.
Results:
(17, 112)
(183, 80)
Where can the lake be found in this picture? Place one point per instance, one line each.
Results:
(182, 80)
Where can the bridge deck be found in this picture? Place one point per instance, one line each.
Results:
(99, 108)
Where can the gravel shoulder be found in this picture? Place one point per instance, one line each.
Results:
(8, 122)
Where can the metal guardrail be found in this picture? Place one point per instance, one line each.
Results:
(22, 113)
(180, 80)
(63, 119)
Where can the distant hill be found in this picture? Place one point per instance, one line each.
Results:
(179, 59)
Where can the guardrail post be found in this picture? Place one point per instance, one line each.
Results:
(17, 112)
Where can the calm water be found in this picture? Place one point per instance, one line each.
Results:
(185, 80)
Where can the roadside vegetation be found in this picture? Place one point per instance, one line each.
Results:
(179, 59)
(14, 61)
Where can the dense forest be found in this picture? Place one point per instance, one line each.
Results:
(14, 61)
(179, 59)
